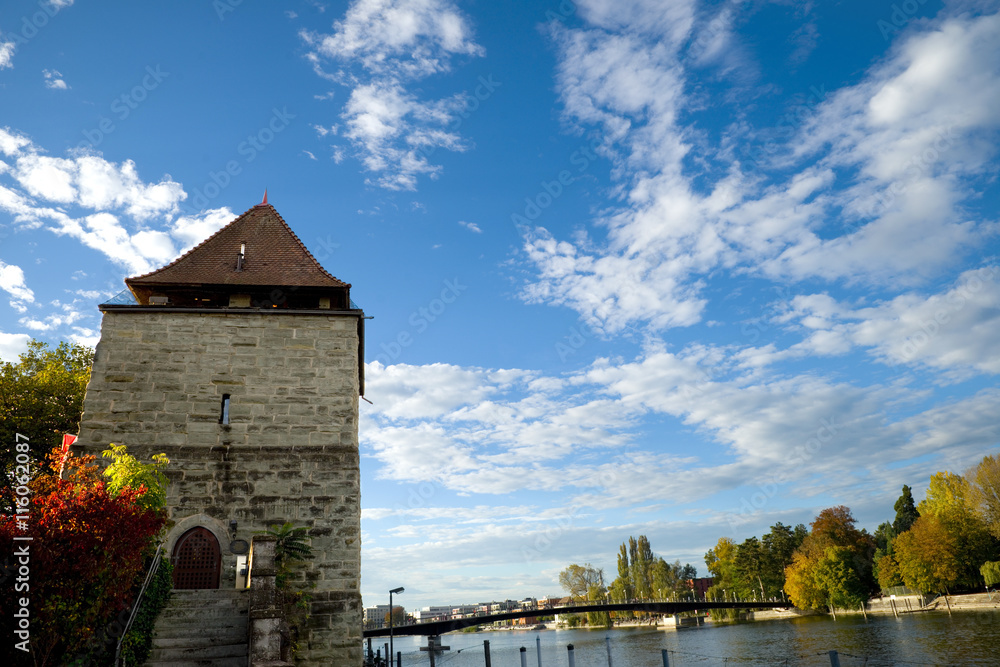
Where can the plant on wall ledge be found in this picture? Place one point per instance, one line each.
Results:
(291, 550)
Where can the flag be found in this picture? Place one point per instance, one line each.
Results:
(67, 441)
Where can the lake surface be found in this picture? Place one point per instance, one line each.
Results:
(967, 638)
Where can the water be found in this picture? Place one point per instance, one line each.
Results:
(967, 638)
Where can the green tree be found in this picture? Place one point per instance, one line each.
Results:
(578, 580)
(721, 564)
(991, 572)
(906, 511)
(622, 586)
(127, 472)
(778, 546)
(749, 566)
(984, 492)
(836, 576)
(41, 397)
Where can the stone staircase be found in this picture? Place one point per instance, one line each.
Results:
(203, 628)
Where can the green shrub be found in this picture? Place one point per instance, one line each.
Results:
(139, 640)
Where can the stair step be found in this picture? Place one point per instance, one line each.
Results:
(199, 652)
(205, 638)
(211, 662)
(202, 613)
(190, 626)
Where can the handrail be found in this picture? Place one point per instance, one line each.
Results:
(153, 567)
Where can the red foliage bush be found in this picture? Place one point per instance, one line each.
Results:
(86, 554)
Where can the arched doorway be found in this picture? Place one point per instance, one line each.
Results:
(197, 560)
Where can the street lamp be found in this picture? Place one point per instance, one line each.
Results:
(397, 591)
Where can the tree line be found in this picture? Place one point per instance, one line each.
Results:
(950, 541)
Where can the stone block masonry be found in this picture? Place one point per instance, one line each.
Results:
(290, 449)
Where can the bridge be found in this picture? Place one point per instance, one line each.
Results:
(657, 607)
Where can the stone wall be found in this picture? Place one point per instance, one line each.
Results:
(289, 453)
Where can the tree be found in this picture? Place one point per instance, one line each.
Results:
(800, 584)
(906, 511)
(833, 527)
(948, 499)
(41, 397)
(991, 572)
(836, 576)
(398, 616)
(127, 472)
(887, 570)
(984, 492)
(927, 556)
(87, 554)
(749, 566)
(778, 546)
(578, 580)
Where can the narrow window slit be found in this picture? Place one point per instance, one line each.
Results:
(224, 419)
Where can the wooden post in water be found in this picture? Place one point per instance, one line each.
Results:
(947, 603)
(607, 642)
(834, 659)
(486, 651)
(892, 603)
(863, 611)
(524, 657)
(569, 654)
(666, 660)
(399, 659)
(538, 649)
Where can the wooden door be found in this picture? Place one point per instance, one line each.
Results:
(197, 560)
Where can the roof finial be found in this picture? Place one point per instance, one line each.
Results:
(265, 197)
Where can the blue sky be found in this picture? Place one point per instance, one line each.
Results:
(675, 268)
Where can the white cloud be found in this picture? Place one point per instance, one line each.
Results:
(54, 80)
(393, 43)
(953, 331)
(6, 54)
(192, 230)
(409, 37)
(12, 282)
(471, 226)
(13, 345)
(871, 189)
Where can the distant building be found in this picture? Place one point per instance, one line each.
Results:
(700, 586)
(375, 616)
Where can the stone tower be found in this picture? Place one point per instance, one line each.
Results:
(242, 360)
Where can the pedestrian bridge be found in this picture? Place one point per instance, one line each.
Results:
(665, 607)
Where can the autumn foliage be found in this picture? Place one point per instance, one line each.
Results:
(87, 552)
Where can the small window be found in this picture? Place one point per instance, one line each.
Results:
(224, 419)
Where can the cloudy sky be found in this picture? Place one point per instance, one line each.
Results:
(667, 267)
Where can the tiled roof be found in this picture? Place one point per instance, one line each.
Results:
(274, 256)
